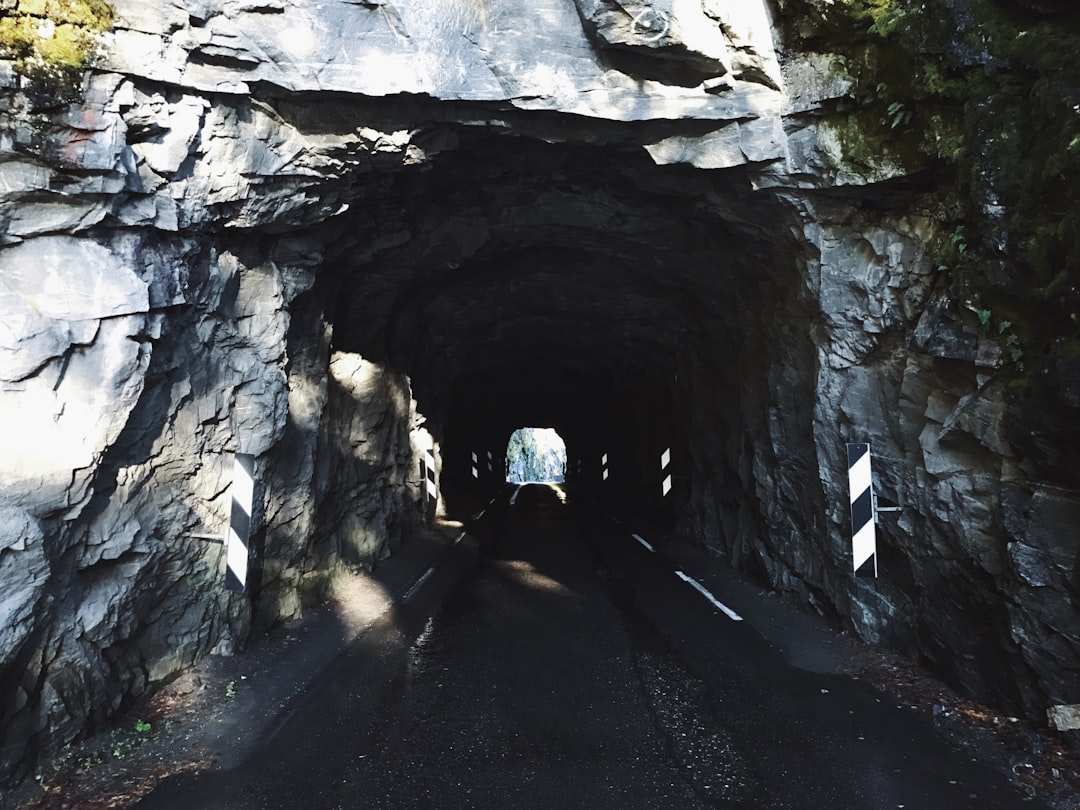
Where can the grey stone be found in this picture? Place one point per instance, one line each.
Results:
(1064, 717)
(200, 259)
(939, 333)
(721, 149)
(1032, 564)
(24, 572)
(53, 291)
(982, 416)
(165, 130)
(678, 31)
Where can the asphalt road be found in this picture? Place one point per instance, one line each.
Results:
(574, 668)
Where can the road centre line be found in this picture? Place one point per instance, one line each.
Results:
(644, 542)
(480, 514)
(731, 614)
(514, 497)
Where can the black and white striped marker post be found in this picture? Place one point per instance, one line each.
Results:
(604, 467)
(430, 488)
(475, 472)
(238, 542)
(863, 533)
(665, 470)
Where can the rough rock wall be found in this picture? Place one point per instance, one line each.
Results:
(173, 248)
(142, 347)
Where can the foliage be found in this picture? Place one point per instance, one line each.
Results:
(984, 94)
(50, 41)
(899, 114)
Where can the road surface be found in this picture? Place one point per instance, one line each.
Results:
(574, 667)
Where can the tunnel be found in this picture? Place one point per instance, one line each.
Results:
(623, 303)
(348, 249)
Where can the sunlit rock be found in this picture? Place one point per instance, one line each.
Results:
(365, 241)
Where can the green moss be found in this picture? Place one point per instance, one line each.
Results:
(871, 12)
(870, 147)
(48, 39)
(942, 135)
(989, 92)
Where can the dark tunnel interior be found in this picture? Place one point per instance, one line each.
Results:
(521, 282)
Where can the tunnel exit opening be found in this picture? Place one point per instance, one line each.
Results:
(535, 456)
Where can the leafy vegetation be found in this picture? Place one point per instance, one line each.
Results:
(982, 94)
(51, 41)
(120, 745)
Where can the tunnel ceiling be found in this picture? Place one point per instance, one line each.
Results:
(519, 273)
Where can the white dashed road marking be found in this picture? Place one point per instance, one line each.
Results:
(731, 614)
(644, 542)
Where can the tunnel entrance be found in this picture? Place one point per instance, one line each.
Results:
(535, 456)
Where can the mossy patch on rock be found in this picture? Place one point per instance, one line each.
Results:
(51, 41)
(990, 89)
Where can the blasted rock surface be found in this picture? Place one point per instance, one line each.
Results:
(299, 230)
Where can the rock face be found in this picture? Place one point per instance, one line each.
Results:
(323, 235)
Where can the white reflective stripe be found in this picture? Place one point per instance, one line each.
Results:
(731, 614)
(236, 556)
(665, 459)
(643, 542)
(243, 487)
(860, 476)
(863, 544)
(241, 497)
(667, 485)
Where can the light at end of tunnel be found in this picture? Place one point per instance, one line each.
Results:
(535, 455)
